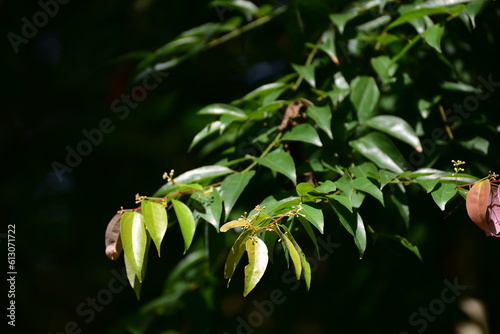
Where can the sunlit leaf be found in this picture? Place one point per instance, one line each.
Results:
(396, 127)
(234, 223)
(232, 187)
(304, 133)
(222, 109)
(323, 118)
(198, 175)
(257, 263)
(186, 222)
(314, 215)
(292, 251)
(207, 131)
(412, 12)
(280, 162)
(443, 193)
(134, 240)
(379, 149)
(155, 218)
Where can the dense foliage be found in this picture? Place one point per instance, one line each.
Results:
(357, 109)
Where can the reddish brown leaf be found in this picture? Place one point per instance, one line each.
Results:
(112, 240)
(494, 212)
(477, 202)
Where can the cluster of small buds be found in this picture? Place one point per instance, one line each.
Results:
(169, 176)
(139, 199)
(259, 209)
(209, 191)
(296, 211)
(164, 204)
(456, 164)
(493, 175)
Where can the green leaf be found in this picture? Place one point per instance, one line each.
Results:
(134, 240)
(379, 149)
(345, 184)
(257, 263)
(310, 232)
(477, 144)
(328, 44)
(235, 254)
(292, 251)
(314, 216)
(186, 221)
(384, 68)
(443, 193)
(280, 162)
(412, 12)
(341, 19)
(197, 175)
(386, 177)
(208, 130)
(232, 187)
(396, 127)
(430, 181)
(132, 278)
(353, 223)
(364, 96)
(366, 169)
(304, 133)
(365, 185)
(342, 199)
(247, 8)
(326, 187)
(307, 72)
(473, 9)
(398, 199)
(433, 36)
(304, 188)
(323, 117)
(222, 109)
(155, 218)
(403, 242)
(265, 90)
(306, 268)
(212, 205)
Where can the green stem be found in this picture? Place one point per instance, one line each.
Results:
(266, 151)
(238, 31)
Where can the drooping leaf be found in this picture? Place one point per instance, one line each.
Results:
(132, 278)
(443, 193)
(493, 213)
(112, 239)
(323, 118)
(257, 263)
(386, 177)
(292, 251)
(155, 218)
(477, 202)
(342, 199)
(304, 133)
(134, 240)
(306, 267)
(353, 224)
(280, 162)
(232, 187)
(396, 127)
(198, 175)
(186, 222)
(473, 9)
(310, 232)
(314, 215)
(345, 184)
(235, 254)
(365, 185)
(364, 96)
(403, 242)
(379, 149)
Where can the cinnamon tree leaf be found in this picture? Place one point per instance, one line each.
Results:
(304, 133)
(186, 222)
(364, 97)
(257, 263)
(443, 193)
(155, 218)
(232, 187)
(280, 162)
(235, 254)
(134, 240)
(353, 223)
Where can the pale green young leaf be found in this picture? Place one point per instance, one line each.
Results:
(186, 222)
(155, 218)
(234, 223)
(134, 240)
(257, 263)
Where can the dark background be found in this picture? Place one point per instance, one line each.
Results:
(64, 80)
